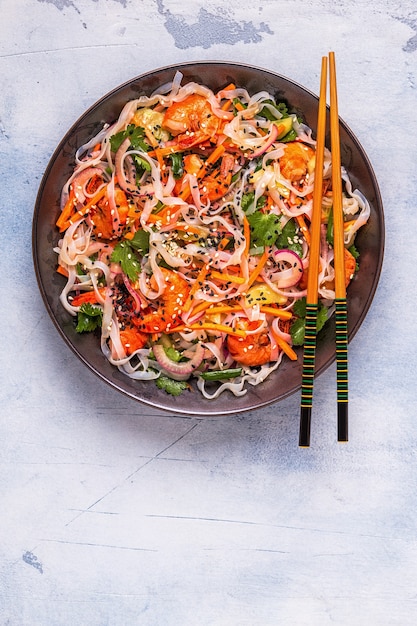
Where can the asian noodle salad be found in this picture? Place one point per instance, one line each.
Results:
(185, 237)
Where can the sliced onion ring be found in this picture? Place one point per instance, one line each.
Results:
(273, 134)
(178, 371)
(292, 274)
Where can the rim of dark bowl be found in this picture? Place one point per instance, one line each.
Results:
(87, 349)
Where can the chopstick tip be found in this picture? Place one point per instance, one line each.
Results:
(305, 422)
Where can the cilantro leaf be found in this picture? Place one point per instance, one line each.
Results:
(89, 318)
(132, 132)
(124, 254)
(265, 112)
(330, 228)
(247, 202)
(177, 164)
(297, 329)
(173, 387)
(140, 241)
(299, 307)
(356, 254)
(265, 229)
(288, 238)
(141, 164)
(321, 317)
(280, 106)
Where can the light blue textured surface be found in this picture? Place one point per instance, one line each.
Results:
(116, 514)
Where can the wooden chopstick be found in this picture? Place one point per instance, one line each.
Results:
(307, 380)
(339, 262)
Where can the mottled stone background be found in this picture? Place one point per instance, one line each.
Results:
(113, 513)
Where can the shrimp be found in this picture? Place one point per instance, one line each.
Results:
(294, 163)
(191, 120)
(254, 349)
(169, 304)
(216, 185)
(132, 339)
(350, 266)
(350, 269)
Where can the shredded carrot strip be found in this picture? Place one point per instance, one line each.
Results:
(221, 328)
(281, 313)
(239, 106)
(229, 87)
(166, 216)
(212, 158)
(189, 228)
(162, 168)
(160, 158)
(226, 105)
(67, 210)
(224, 243)
(258, 269)
(184, 193)
(84, 209)
(246, 234)
(285, 347)
(200, 308)
(230, 308)
(61, 270)
(228, 277)
(223, 308)
(196, 286)
(303, 226)
(167, 151)
(88, 296)
(269, 203)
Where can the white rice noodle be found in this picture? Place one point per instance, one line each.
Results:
(236, 388)
(365, 210)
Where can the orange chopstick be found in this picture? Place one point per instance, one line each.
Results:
(307, 381)
(339, 262)
(339, 265)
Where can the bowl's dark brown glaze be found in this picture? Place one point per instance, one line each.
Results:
(287, 379)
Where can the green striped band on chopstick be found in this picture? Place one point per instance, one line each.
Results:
(341, 349)
(342, 368)
(307, 378)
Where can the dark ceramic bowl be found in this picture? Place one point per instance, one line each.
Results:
(287, 379)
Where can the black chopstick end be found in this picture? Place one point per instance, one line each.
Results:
(305, 422)
(342, 422)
